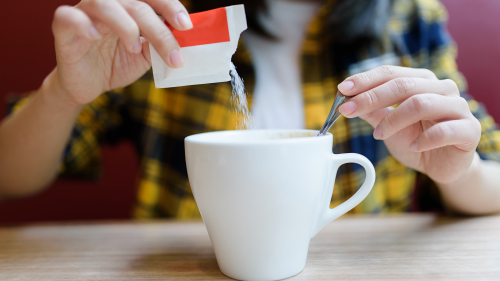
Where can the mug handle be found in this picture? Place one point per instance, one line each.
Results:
(327, 215)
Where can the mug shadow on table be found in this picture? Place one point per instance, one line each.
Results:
(194, 265)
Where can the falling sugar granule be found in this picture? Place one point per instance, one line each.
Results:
(239, 100)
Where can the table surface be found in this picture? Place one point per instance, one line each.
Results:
(392, 247)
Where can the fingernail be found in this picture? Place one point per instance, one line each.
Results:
(184, 20)
(346, 86)
(176, 59)
(137, 48)
(93, 32)
(377, 134)
(348, 108)
(414, 146)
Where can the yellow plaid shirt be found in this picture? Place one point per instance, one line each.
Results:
(158, 120)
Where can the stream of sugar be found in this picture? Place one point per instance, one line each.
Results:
(239, 100)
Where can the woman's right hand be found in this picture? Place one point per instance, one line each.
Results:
(99, 46)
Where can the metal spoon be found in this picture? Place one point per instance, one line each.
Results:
(334, 114)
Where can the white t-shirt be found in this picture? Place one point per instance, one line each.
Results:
(277, 100)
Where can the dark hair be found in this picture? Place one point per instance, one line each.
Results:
(351, 20)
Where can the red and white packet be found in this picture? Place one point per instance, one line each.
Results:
(207, 49)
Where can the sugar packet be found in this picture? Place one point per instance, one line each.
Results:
(207, 49)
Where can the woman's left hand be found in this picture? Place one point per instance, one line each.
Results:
(432, 130)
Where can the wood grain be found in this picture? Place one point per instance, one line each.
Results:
(396, 247)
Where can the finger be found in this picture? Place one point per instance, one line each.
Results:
(370, 79)
(156, 32)
(463, 134)
(73, 33)
(70, 23)
(394, 92)
(374, 118)
(173, 11)
(421, 107)
(145, 50)
(114, 15)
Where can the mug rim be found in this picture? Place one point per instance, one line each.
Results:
(213, 137)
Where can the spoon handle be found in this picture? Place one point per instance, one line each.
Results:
(334, 114)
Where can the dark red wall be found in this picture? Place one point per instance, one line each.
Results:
(475, 26)
(27, 56)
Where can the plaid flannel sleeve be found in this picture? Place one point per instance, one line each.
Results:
(100, 121)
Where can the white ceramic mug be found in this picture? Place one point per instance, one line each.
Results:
(263, 194)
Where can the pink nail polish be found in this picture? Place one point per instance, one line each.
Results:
(377, 134)
(176, 59)
(414, 146)
(184, 20)
(346, 86)
(348, 108)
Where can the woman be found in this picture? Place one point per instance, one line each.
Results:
(430, 149)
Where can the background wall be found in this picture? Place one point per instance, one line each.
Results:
(474, 24)
(27, 56)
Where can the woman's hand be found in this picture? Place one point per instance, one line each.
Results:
(432, 130)
(99, 47)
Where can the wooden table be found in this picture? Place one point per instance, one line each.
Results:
(395, 247)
